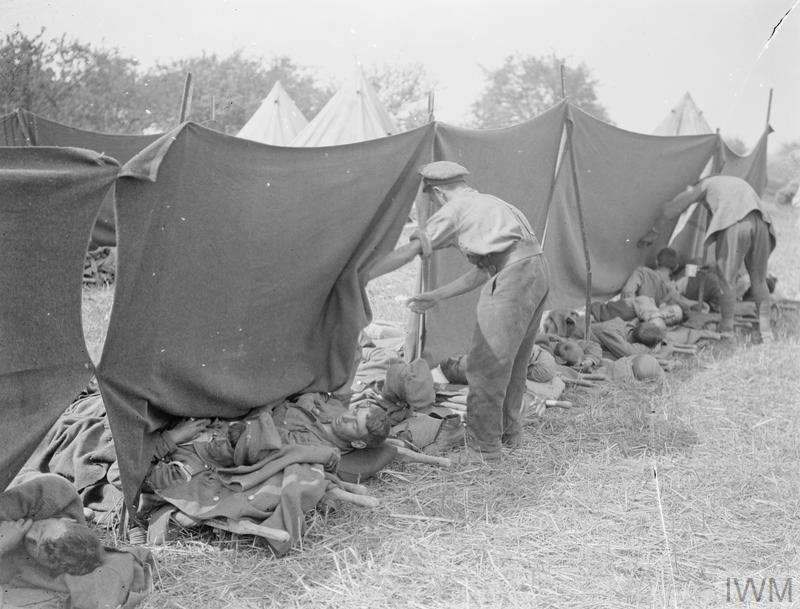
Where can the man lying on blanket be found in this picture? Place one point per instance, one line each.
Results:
(268, 468)
(320, 419)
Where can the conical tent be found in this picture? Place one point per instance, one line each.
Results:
(688, 238)
(353, 114)
(277, 121)
(684, 119)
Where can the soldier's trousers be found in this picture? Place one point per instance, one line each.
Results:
(509, 312)
(746, 241)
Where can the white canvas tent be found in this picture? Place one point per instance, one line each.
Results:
(353, 114)
(277, 120)
(684, 119)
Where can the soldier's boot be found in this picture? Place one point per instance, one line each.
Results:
(450, 435)
(455, 369)
(765, 323)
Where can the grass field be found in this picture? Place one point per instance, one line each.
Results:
(642, 496)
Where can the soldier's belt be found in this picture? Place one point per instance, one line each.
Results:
(497, 261)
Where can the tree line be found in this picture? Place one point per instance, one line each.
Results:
(101, 89)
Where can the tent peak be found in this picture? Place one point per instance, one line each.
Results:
(276, 121)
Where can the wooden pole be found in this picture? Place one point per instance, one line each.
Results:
(570, 148)
(557, 168)
(769, 106)
(186, 100)
(551, 192)
(719, 156)
(583, 230)
(424, 278)
(23, 126)
(719, 161)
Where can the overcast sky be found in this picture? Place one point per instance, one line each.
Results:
(645, 54)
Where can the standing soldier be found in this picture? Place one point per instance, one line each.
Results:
(741, 231)
(508, 262)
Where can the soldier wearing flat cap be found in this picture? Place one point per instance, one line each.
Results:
(498, 240)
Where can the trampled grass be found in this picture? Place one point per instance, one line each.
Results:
(640, 496)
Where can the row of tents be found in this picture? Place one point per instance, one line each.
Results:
(241, 265)
(353, 114)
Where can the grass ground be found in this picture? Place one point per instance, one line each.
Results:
(642, 496)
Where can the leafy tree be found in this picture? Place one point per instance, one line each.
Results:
(526, 85)
(99, 89)
(403, 91)
(784, 165)
(301, 85)
(69, 81)
(25, 76)
(227, 90)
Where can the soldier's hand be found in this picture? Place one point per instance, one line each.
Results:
(537, 407)
(421, 302)
(12, 532)
(187, 430)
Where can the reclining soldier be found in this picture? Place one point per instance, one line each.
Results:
(41, 520)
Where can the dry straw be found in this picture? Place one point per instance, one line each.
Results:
(573, 518)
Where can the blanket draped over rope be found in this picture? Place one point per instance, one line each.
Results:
(239, 270)
(240, 278)
(48, 201)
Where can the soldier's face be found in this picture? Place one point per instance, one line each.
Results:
(672, 313)
(352, 426)
(44, 530)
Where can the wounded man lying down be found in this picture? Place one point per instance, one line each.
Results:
(269, 467)
(49, 556)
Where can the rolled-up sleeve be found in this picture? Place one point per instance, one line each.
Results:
(442, 227)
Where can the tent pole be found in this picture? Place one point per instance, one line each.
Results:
(583, 229)
(719, 155)
(24, 128)
(716, 169)
(186, 100)
(423, 281)
(557, 168)
(769, 106)
(569, 125)
(552, 191)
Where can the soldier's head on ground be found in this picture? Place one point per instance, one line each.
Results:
(672, 314)
(61, 545)
(362, 425)
(568, 352)
(651, 332)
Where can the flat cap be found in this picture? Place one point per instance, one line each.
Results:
(442, 172)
